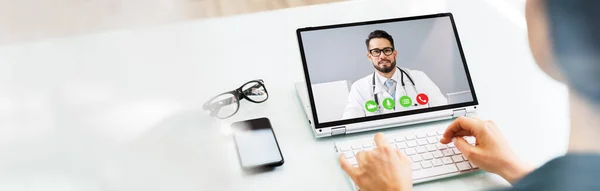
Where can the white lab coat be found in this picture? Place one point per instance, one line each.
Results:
(362, 91)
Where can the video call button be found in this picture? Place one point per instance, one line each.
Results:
(371, 106)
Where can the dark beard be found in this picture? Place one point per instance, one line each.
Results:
(385, 69)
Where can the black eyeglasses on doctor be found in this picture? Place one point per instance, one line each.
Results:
(376, 52)
(226, 104)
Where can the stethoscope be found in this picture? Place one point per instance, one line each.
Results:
(402, 73)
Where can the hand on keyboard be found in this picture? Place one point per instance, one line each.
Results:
(491, 151)
(383, 168)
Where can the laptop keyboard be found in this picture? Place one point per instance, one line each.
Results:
(430, 159)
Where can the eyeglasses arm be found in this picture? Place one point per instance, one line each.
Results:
(217, 105)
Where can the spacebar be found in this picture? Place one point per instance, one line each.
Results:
(435, 171)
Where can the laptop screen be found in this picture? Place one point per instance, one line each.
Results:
(373, 70)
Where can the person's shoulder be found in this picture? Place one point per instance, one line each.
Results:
(362, 82)
(415, 73)
(569, 172)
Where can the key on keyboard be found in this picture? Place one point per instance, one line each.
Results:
(412, 143)
(410, 151)
(401, 145)
(430, 159)
(421, 149)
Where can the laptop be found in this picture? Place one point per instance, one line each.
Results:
(357, 80)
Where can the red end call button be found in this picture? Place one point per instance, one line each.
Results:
(422, 99)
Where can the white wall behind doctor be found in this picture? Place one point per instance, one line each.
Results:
(428, 45)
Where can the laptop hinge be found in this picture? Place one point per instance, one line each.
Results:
(338, 130)
(459, 112)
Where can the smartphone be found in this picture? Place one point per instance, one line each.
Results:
(256, 144)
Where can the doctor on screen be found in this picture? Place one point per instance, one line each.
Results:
(389, 88)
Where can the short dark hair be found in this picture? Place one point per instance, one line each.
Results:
(379, 34)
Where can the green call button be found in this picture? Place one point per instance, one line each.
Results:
(405, 101)
(371, 106)
(388, 103)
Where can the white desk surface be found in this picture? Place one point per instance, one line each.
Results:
(121, 110)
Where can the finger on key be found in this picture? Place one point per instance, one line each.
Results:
(462, 126)
(401, 155)
(360, 158)
(463, 146)
(348, 168)
(381, 141)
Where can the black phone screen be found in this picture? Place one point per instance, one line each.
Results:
(256, 143)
